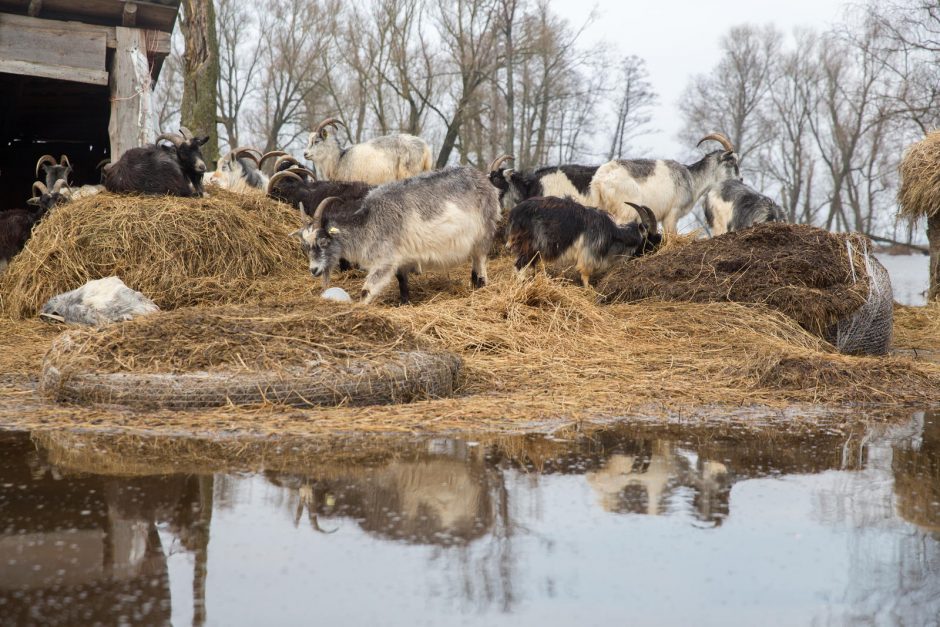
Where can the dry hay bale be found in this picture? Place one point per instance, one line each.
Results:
(919, 192)
(325, 354)
(917, 327)
(801, 271)
(176, 251)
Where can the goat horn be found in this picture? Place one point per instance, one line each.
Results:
(318, 214)
(247, 153)
(173, 138)
(64, 160)
(43, 160)
(304, 218)
(720, 138)
(328, 122)
(647, 216)
(498, 161)
(102, 163)
(42, 188)
(57, 188)
(186, 133)
(282, 159)
(281, 175)
(301, 170)
(270, 155)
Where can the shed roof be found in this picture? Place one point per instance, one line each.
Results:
(150, 14)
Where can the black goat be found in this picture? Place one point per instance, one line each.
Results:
(157, 170)
(297, 186)
(556, 180)
(16, 227)
(46, 199)
(560, 229)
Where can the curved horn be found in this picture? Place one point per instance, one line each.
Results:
(304, 218)
(279, 176)
(247, 153)
(57, 188)
(43, 160)
(318, 214)
(186, 133)
(302, 171)
(282, 159)
(328, 122)
(102, 163)
(647, 216)
(720, 138)
(270, 155)
(173, 138)
(498, 161)
(64, 160)
(42, 188)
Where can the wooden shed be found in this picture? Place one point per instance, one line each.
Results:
(76, 78)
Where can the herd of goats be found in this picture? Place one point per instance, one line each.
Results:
(379, 206)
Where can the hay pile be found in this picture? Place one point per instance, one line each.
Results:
(917, 327)
(176, 251)
(919, 192)
(801, 271)
(322, 354)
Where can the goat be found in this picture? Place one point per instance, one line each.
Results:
(434, 220)
(380, 160)
(558, 180)
(16, 227)
(291, 187)
(239, 171)
(45, 200)
(55, 170)
(156, 170)
(668, 187)
(562, 230)
(731, 206)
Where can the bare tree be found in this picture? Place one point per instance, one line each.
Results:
(239, 29)
(636, 99)
(732, 98)
(201, 72)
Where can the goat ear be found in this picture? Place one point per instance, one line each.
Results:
(299, 234)
(34, 201)
(199, 141)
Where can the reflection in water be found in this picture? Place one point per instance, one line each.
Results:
(530, 527)
(76, 547)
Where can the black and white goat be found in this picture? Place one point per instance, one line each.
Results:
(377, 161)
(433, 221)
(60, 170)
(158, 170)
(731, 206)
(667, 187)
(239, 171)
(561, 230)
(557, 180)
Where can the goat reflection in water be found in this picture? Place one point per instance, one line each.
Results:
(445, 499)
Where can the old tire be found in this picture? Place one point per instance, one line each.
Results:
(398, 378)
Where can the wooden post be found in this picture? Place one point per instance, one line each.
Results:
(131, 103)
(933, 239)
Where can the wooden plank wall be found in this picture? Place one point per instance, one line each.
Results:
(51, 49)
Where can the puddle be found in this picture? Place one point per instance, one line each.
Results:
(665, 526)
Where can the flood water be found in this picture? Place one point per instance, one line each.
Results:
(631, 525)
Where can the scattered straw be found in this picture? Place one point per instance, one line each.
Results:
(919, 192)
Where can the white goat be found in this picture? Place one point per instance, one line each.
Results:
(377, 161)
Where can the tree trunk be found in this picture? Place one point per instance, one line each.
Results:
(933, 237)
(201, 73)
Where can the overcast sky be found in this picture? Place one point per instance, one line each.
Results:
(679, 38)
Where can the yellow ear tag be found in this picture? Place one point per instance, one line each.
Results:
(333, 230)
